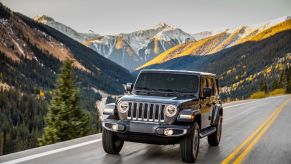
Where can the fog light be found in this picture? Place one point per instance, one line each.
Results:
(115, 127)
(168, 132)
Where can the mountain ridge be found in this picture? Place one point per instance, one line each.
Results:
(80, 37)
(139, 46)
(243, 68)
(43, 46)
(161, 43)
(222, 40)
(144, 44)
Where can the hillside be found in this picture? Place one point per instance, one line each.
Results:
(242, 68)
(25, 41)
(30, 57)
(223, 40)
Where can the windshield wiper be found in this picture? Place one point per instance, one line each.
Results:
(169, 91)
(173, 92)
(144, 89)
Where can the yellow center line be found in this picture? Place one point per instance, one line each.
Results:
(242, 156)
(254, 137)
(238, 149)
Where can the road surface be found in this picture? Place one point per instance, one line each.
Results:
(254, 131)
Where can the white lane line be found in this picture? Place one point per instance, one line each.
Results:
(27, 158)
(249, 102)
(236, 105)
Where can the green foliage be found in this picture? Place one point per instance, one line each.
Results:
(88, 102)
(21, 120)
(275, 84)
(286, 79)
(258, 95)
(30, 76)
(263, 86)
(65, 120)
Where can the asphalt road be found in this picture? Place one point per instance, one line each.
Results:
(255, 131)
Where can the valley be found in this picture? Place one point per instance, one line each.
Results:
(30, 58)
(247, 59)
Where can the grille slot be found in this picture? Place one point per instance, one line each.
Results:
(148, 112)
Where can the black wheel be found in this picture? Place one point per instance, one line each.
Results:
(214, 138)
(189, 145)
(111, 143)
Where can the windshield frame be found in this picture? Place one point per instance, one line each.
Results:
(160, 91)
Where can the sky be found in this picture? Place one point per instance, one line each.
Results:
(124, 16)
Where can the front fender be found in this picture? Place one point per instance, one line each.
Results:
(110, 109)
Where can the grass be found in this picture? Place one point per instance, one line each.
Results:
(262, 94)
(277, 92)
(258, 95)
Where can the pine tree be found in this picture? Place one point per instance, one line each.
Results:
(263, 86)
(288, 80)
(275, 84)
(65, 120)
(283, 79)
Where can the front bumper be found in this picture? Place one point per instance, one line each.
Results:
(147, 128)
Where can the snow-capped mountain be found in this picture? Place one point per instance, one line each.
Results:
(116, 49)
(129, 50)
(202, 35)
(134, 49)
(80, 37)
(246, 29)
(211, 42)
(205, 34)
(140, 39)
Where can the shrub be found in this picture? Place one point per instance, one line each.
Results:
(258, 95)
(280, 91)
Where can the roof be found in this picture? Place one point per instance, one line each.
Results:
(178, 71)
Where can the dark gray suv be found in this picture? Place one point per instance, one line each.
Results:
(166, 107)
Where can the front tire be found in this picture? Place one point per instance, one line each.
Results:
(189, 145)
(111, 143)
(214, 138)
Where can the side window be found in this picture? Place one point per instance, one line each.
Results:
(217, 86)
(210, 84)
(215, 89)
(203, 84)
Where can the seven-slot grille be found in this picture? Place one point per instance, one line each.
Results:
(148, 112)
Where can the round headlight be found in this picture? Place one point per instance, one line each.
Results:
(123, 107)
(171, 110)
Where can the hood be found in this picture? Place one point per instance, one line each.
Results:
(157, 99)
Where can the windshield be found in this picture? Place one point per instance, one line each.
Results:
(168, 82)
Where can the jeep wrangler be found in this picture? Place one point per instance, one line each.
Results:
(165, 107)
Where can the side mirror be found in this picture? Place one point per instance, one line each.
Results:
(128, 87)
(207, 92)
